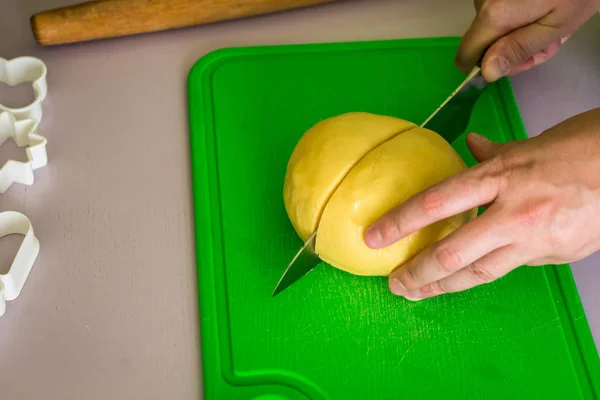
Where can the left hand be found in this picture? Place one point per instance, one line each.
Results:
(542, 199)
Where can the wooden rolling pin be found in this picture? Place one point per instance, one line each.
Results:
(103, 19)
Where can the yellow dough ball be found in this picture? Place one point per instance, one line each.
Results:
(349, 170)
(324, 156)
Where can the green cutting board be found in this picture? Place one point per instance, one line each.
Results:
(333, 335)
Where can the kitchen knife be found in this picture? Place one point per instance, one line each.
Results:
(450, 120)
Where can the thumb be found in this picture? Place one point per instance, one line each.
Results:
(482, 148)
(517, 48)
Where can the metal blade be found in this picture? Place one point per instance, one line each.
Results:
(305, 261)
(451, 119)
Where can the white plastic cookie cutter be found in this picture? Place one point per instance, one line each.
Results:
(11, 284)
(24, 133)
(21, 70)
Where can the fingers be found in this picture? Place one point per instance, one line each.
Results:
(539, 58)
(487, 269)
(478, 37)
(494, 19)
(527, 65)
(453, 196)
(518, 48)
(463, 247)
(482, 148)
(525, 28)
(547, 261)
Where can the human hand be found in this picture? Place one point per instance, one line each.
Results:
(519, 33)
(542, 200)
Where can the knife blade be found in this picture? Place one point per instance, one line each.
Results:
(450, 120)
(303, 262)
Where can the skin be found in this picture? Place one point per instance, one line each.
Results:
(541, 195)
(519, 34)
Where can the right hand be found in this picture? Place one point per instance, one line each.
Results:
(519, 33)
(542, 206)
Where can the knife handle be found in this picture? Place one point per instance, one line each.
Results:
(103, 19)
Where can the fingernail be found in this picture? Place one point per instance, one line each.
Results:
(500, 68)
(396, 286)
(413, 296)
(479, 138)
(373, 237)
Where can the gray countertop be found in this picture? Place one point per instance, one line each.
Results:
(110, 308)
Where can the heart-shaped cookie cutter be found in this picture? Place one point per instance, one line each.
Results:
(24, 133)
(21, 70)
(11, 284)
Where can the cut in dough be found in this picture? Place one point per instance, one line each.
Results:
(348, 171)
(324, 156)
